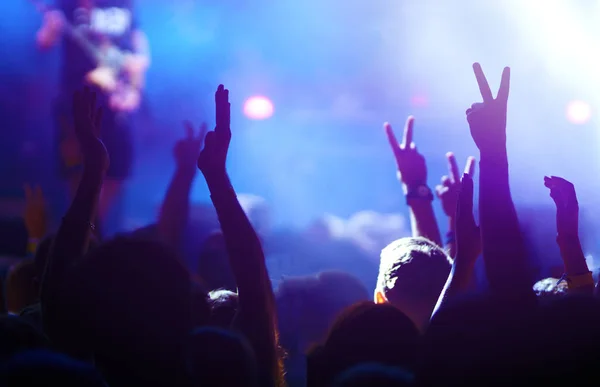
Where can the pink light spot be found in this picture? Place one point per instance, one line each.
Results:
(419, 101)
(258, 108)
(579, 112)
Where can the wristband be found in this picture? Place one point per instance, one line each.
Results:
(419, 192)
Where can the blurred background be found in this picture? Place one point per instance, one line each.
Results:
(311, 84)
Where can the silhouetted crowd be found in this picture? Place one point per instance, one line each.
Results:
(84, 310)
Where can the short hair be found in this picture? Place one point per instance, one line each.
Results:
(223, 307)
(416, 267)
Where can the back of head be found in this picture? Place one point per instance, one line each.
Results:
(44, 368)
(223, 307)
(364, 333)
(18, 335)
(309, 305)
(132, 300)
(21, 290)
(374, 375)
(412, 273)
(217, 357)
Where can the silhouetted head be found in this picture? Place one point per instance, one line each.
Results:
(364, 333)
(44, 368)
(223, 308)
(131, 301)
(374, 375)
(307, 306)
(474, 338)
(21, 289)
(412, 273)
(218, 357)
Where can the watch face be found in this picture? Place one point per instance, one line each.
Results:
(423, 191)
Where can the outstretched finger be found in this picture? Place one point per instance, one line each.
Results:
(407, 138)
(453, 167)
(389, 132)
(470, 166)
(484, 87)
(504, 89)
(222, 109)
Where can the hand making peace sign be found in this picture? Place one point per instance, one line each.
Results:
(412, 170)
(487, 119)
(449, 189)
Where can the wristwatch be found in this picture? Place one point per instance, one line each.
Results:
(420, 192)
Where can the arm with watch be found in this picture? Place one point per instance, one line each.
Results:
(577, 274)
(412, 173)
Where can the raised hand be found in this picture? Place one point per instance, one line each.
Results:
(187, 149)
(87, 120)
(468, 236)
(35, 214)
(448, 190)
(487, 119)
(412, 170)
(213, 157)
(567, 207)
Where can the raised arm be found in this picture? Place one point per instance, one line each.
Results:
(412, 172)
(577, 274)
(504, 251)
(256, 314)
(35, 217)
(73, 235)
(448, 192)
(468, 244)
(174, 212)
